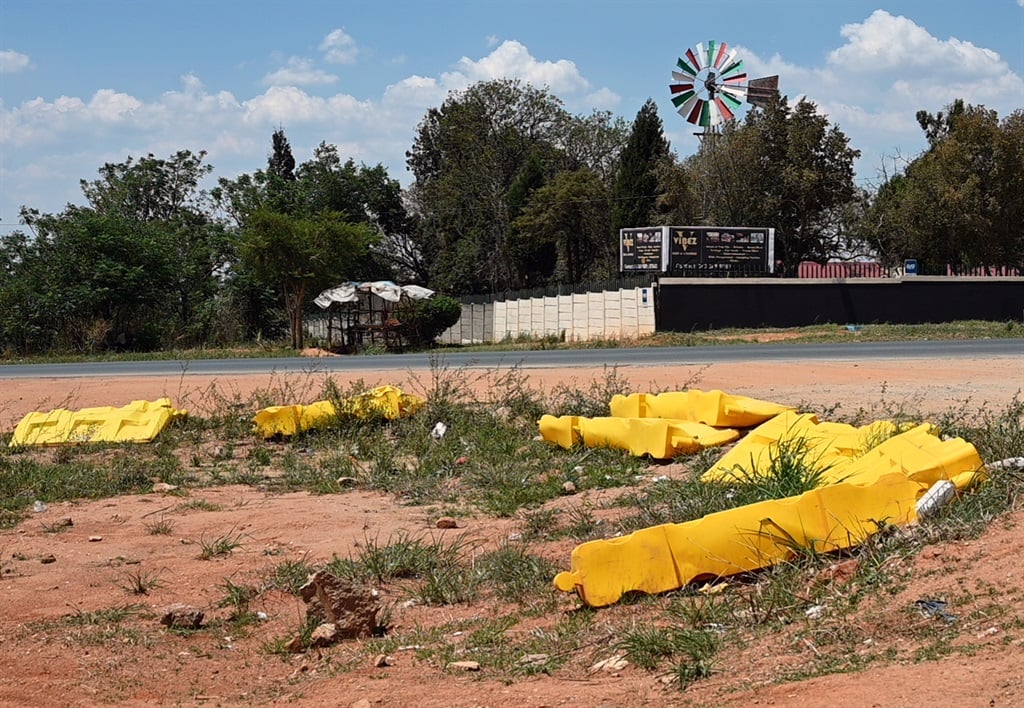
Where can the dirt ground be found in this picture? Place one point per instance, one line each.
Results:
(47, 579)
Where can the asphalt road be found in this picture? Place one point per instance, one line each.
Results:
(562, 358)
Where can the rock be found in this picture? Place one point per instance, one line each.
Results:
(163, 487)
(612, 663)
(461, 460)
(324, 635)
(182, 617)
(361, 703)
(48, 558)
(294, 646)
(95, 539)
(382, 660)
(568, 488)
(530, 659)
(464, 665)
(66, 521)
(346, 481)
(446, 522)
(351, 608)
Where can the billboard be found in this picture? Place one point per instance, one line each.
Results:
(642, 250)
(720, 248)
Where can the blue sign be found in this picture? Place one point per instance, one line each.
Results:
(910, 266)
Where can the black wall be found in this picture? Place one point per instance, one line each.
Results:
(687, 304)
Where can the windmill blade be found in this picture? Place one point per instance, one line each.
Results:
(687, 107)
(694, 61)
(735, 95)
(735, 65)
(705, 115)
(737, 79)
(720, 55)
(695, 112)
(724, 112)
(688, 72)
(714, 114)
(683, 78)
(711, 53)
(682, 98)
(729, 60)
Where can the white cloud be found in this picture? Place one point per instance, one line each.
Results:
(11, 62)
(603, 100)
(339, 47)
(298, 72)
(513, 60)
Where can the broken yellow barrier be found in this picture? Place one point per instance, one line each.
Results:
(139, 421)
(715, 408)
(669, 556)
(387, 402)
(658, 437)
(830, 448)
(881, 486)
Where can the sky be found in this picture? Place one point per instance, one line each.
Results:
(87, 82)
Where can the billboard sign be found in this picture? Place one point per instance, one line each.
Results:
(642, 250)
(694, 249)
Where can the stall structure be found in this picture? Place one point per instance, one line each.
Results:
(362, 314)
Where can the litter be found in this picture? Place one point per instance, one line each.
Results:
(139, 421)
(388, 402)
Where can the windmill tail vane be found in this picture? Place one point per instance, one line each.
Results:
(710, 83)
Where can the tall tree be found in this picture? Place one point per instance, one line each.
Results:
(958, 202)
(783, 168)
(466, 156)
(636, 184)
(302, 255)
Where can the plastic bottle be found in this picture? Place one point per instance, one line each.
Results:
(935, 498)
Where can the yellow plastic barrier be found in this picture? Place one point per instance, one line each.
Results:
(715, 408)
(669, 556)
(829, 447)
(139, 421)
(387, 402)
(658, 437)
(882, 486)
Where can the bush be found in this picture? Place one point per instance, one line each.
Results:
(421, 321)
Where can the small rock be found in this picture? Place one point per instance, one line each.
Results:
(612, 663)
(294, 646)
(324, 635)
(182, 617)
(361, 703)
(530, 659)
(346, 481)
(66, 521)
(39, 507)
(446, 522)
(464, 665)
(382, 660)
(48, 558)
(461, 460)
(515, 537)
(163, 487)
(94, 539)
(568, 488)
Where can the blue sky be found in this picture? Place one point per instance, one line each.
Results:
(84, 82)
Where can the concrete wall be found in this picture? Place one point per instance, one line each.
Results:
(620, 314)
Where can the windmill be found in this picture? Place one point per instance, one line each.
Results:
(709, 84)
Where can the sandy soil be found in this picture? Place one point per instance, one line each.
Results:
(47, 658)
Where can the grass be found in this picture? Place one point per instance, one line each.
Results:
(487, 466)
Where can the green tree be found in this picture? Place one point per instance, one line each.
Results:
(958, 202)
(563, 234)
(302, 255)
(783, 168)
(636, 184)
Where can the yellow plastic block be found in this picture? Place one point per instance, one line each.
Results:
(139, 421)
(658, 437)
(669, 556)
(923, 457)
(386, 402)
(826, 446)
(716, 408)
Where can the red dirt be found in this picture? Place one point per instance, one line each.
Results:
(47, 660)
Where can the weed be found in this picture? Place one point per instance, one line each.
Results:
(238, 598)
(139, 581)
(289, 576)
(199, 505)
(517, 575)
(160, 527)
(219, 546)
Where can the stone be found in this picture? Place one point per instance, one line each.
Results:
(324, 635)
(464, 665)
(346, 481)
(182, 617)
(568, 488)
(382, 660)
(361, 703)
(95, 539)
(446, 522)
(48, 558)
(351, 608)
(163, 487)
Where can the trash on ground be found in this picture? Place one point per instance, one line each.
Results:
(139, 421)
(388, 402)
